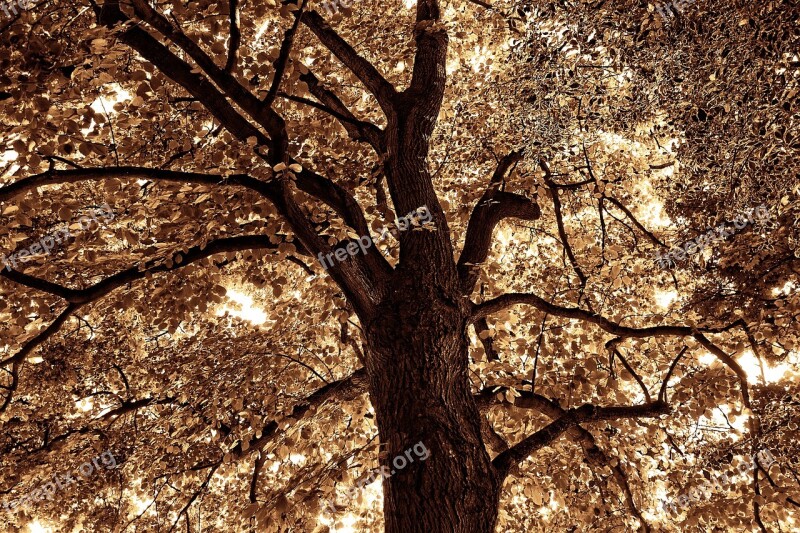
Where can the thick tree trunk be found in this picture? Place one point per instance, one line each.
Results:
(420, 391)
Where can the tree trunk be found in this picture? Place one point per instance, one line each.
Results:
(420, 390)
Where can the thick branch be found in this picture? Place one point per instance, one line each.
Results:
(594, 455)
(586, 413)
(181, 73)
(507, 300)
(482, 326)
(494, 206)
(429, 74)
(383, 91)
(263, 114)
(348, 275)
(258, 465)
(359, 278)
(39, 284)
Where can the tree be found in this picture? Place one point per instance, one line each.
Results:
(238, 337)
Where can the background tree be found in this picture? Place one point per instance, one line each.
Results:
(559, 378)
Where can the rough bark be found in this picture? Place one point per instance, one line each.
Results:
(418, 381)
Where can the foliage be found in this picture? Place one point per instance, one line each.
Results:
(631, 133)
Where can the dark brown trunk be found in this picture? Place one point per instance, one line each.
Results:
(420, 391)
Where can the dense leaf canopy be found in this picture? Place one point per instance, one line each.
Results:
(194, 334)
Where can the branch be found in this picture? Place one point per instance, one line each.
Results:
(154, 266)
(586, 413)
(507, 300)
(17, 360)
(346, 389)
(236, 35)
(594, 455)
(193, 498)
(341, 201)
(181, 73)
(488, 343)
(127, 406)
(496, 443)
(350, 275)
(264, 115)
(756, 505)
(429, 76)
(494, 206)
(618, 203)
(366, 130)
(383, 91)
(58, 177)
(636, 223)
(79, 298)
(257, 467)
(612, 346)
(729, 361)
(562, 232)
(662, 394)
(283, 57)
(349, 120)
(39, 284)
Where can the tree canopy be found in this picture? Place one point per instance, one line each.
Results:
(171, 172)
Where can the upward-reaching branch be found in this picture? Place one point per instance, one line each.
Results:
(361, 278)
(181, 73)
(235, 37)
(283, 57)
(263, 115)
(429, 76)
(373, 80)
(494, 206)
